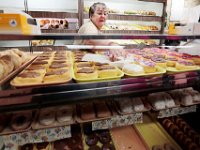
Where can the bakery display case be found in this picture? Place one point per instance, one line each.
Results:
(137, 97)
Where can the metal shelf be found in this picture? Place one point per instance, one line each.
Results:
(74, 36)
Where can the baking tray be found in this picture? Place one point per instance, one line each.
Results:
(12, 74)
(154, 134)
(159, 71)
(134, 141)
(119, 76)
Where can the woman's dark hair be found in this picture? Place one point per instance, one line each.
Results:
(93, 8)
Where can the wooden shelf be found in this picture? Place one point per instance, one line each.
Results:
(48, 14)
(130, 17)
(59, 30)
(130, 32)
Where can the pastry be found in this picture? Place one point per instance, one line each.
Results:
(46, 117)
(182, 64)
(157, 101)
(159, 61)
(91, 140)
(86, 73)
(107, 71)
(149, 66)
(168, 146)
(20, 120)
(104, 137)
(125, 105)
(171, 61)
(186, 99)
(59, 75)
(64, 114)
(138, 105)
(28, 77)
(102, 110)
(133, 69)
(35, 68)
(82, 64)
(169, 102)
(158, 147)
(108, 146)
(87, 111)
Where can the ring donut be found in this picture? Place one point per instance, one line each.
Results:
(46, 117)
(21, 120)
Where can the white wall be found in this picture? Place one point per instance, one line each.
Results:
(38, 5)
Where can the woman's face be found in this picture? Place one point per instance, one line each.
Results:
(100, 15)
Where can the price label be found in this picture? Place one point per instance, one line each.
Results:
(176, 111)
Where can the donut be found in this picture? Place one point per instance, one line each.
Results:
(104, 137)
(64, 114)
(91, 140)
(168, 124)
(27, 147)
(20, 120)
(168, 146)
(157, 147)
(173, 128)
(46, 117)
(108, 146)
(94, 147)
(179, 136)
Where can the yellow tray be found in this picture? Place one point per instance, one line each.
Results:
(120, 74)
(159, 71)
(154, 134)
(173, 69)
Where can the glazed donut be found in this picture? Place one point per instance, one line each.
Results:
(46, 117)
(168, 146)
(94, 147)
(64, 114)
(173, 128)
(27, 147)
(91, 140)
(104, 137)
(157, 147)
(108, 146)
(20, 120)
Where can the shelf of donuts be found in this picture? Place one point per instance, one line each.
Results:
(173, 61)
(12, 61)
(179, 129)
(129, 26)
(155, 136)
(93, 71)
(53, 23)
(42, 42)
(52, 67)
(100, 139)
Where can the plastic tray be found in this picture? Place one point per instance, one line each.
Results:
(159, 71)
(154, 134)
(173, 69)
(119, 76)
(12, 74)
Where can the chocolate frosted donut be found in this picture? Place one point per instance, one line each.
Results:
(108, 146)
(20, 121)
(27, 147)
(46, 117)
(104, 137)
(91, 140)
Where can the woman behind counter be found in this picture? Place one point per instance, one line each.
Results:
(98, 14)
